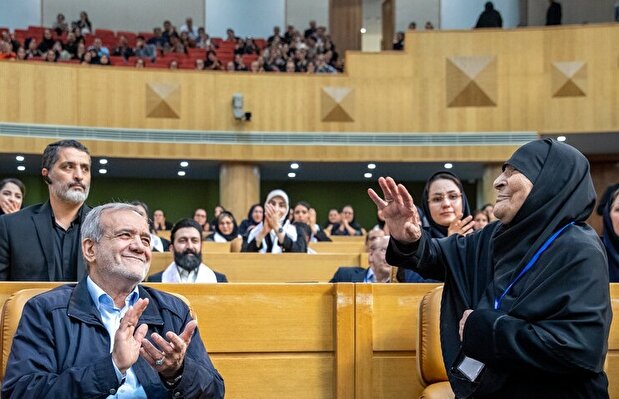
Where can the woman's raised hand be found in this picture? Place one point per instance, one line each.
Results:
(398, 210)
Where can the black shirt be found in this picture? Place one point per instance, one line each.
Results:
(66, 248)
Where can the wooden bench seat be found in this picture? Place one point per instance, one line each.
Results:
(268, 268)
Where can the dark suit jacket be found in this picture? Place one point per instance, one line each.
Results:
(27, 247)
(354, 274)
(156, 278)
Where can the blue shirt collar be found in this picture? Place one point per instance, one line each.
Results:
(101, 298)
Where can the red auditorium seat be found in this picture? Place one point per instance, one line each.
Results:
(146, 35)
(104, 32)
(117, 60)
(131, 37)
(261, 43)
(249, 58)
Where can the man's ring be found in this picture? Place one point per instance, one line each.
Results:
(159, 362)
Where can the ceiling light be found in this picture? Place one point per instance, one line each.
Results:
(21, 168)
(292, 174)
(371, 166)
(181, 173)
(449, 165)
(368, 175)
(102, 171)
(103, 161)
(294, 165)
(20, 158)
(561, 138)
(362, 30)
(184, 164)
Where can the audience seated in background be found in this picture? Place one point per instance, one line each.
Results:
(305, 232)
(446, 212)
(398, 41)
(108, 333)
(143, 50)
(488, 209)
(60, 26)
(379, 270)
(41, 242)
(293, 52)
(304, 213)
(254, 217)
(123, 49)
(157, 244)
(83, 24)
(226, 228)
(480, 219)
(191, 30)
(12, 194)
(216, 212)
(347, 225)
(333, 218)
(275, 234)
(201, 217)
(186, 238)
(160, 222)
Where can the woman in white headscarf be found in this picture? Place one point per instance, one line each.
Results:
(275, 234)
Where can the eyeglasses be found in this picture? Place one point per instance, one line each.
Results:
(438, 199)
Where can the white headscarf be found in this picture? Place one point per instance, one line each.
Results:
(289, 229)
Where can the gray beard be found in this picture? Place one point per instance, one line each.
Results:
(187, 260)
(71, 196)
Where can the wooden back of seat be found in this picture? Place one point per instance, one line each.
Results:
(215, 247)
(338, 247)
(386, 318)
(277, 340)
(339, 341)
(268, 268)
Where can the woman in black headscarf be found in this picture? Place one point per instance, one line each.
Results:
(254, 217)
(226, 229)
(446, 211)
(610, 238)
(12, 193)
(445, 206)
(526, 300)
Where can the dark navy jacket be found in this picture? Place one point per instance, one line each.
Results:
(353, 274)
(62, 350)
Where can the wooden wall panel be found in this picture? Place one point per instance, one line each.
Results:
(345, 21)
(386, 334)
(396, 92)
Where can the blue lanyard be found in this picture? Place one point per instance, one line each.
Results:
(497, 301)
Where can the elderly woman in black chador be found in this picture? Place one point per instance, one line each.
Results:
(526, 308)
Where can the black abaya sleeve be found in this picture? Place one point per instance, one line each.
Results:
(559, 323)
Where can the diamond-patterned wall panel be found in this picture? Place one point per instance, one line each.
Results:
(471, 81)
(163, 100)
(337, 104)
(569, 79)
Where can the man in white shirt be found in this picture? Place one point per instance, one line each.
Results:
(190, 29)
(186, 245)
